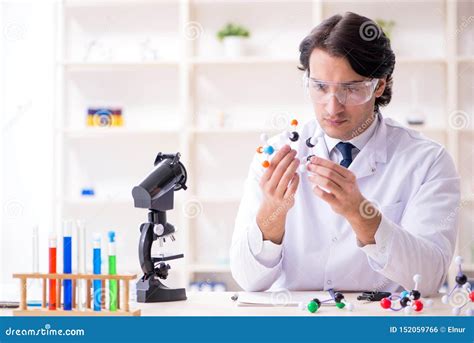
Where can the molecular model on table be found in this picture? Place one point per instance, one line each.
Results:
(461, 295)
(408, 301)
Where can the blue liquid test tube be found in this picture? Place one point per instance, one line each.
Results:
(97, 261)
(67, 264)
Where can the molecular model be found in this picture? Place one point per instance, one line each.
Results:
(293, 136)
(409, 301)
(337, 298)
(461, 295)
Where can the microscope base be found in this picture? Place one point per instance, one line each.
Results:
(152, 291)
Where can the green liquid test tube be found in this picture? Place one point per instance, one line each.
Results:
(113, 294)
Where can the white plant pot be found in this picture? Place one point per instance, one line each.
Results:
(234, 46)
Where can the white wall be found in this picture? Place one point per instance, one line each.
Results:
(27, 104)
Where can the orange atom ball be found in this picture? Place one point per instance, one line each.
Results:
(294, 122)
(265, 164)
(260, 149)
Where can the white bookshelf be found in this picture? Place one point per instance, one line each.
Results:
(175, 103)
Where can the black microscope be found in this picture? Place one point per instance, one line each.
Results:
(156, 193)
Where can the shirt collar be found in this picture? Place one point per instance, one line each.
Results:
(358, 141)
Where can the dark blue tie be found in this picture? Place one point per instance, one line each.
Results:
(346, 151)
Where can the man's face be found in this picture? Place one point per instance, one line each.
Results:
(338, 120)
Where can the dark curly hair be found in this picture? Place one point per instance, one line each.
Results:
(361, 41)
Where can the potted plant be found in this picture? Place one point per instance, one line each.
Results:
(386, 26)
(233, 37)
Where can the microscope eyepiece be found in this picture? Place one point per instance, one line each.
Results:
(169, 175)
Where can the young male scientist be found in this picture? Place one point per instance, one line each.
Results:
(378, 202)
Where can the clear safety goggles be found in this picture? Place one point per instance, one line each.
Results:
(346, 93)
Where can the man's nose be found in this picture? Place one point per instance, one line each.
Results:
(334, 106)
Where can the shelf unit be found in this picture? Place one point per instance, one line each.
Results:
(213, 108)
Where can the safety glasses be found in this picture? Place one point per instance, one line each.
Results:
(346, 93)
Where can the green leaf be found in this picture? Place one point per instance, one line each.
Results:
(231, 29)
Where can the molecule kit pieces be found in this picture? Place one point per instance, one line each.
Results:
(408, 301)
(461, 295)
(292, 135)
(337, 299)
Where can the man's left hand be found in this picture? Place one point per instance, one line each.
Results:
(344, 197)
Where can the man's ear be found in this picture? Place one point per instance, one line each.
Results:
(380, 87)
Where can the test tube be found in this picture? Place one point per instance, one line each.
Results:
(81, 263)
(112, 271)
(52, 270)
(67, 263)
(96, 266)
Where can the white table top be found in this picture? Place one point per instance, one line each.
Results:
(221, 304)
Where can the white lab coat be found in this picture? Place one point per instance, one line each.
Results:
(411, 179)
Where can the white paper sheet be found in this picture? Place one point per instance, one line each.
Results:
(280, 298)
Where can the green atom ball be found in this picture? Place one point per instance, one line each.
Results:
(312, 306)
(340, 305)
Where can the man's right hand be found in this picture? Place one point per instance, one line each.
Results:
(279, 184)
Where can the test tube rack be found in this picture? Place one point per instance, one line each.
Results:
(123, 307)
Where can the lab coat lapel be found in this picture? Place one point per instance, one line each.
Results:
(321, 149)
(375, 151)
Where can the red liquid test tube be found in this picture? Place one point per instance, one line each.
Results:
(52, 270)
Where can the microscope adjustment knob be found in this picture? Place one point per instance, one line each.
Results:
(162, 270)
(158, 229)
